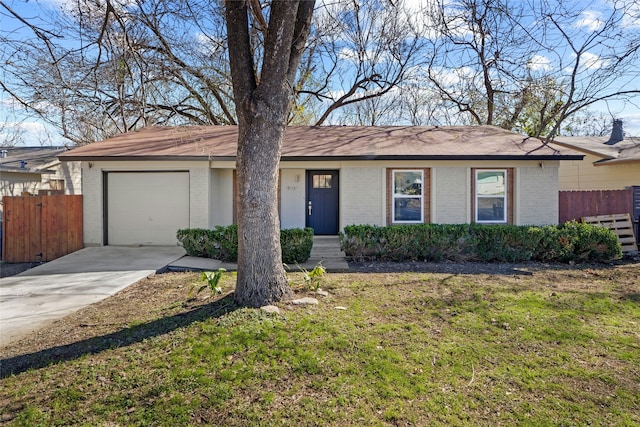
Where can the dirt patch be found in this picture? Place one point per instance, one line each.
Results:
(471, 267)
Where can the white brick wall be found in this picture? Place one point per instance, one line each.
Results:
(92, 216)
(292, 198)
(199, 195)
(362, 196)
(221, 197)
(450, 198)
(536, 196)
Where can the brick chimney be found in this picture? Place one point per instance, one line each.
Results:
(617, 134)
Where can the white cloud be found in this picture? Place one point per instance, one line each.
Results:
(589, 20)
(208, 45)
(591, 61)
(631, 124)
(631, 17)
(539, 63)
(368, 55)
(27, 133)
(453, 77)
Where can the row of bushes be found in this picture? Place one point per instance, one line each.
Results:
(569, 242)
(222, 243)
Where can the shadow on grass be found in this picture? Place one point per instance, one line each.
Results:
(475, 267)
(633, 297)
(123, 338)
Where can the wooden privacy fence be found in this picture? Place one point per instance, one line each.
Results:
(578, 204)
(41, 228)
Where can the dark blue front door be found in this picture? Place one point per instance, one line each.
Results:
(322, 202)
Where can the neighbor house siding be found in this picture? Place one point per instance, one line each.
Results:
(583, 175)
(362, 196)
(69, 172)
(451, 195)
(292, 198)
(15, 183)
(536, 198)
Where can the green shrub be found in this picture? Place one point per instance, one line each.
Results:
(221, 243)
(570, 242)
(296, 244)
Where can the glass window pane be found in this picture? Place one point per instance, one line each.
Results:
(491, 209)
(407, 182)
(321, 181)
(408, 209)
(491, 183)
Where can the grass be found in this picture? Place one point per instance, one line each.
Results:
(534, 347)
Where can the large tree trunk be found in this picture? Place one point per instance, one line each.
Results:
(261, 276)
(262, 106)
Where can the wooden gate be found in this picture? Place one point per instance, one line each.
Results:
(41, 228)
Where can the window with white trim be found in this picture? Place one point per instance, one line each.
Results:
(408, 194)
(491, 196)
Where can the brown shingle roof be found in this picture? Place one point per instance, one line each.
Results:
(327, 143)
(625, 151)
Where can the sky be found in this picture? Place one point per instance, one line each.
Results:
(35, 132)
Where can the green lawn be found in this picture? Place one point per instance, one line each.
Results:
(532, 347)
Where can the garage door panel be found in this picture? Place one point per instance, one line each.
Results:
(146, 208)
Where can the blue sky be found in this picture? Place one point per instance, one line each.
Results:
(36, 132)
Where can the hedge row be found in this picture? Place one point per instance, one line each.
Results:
(222, 243)
(569, 242)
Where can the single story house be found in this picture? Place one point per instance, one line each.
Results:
(140, 187)
(610, 163)
(37, 170)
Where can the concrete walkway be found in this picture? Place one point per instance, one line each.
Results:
(36, 297)
(326, 249)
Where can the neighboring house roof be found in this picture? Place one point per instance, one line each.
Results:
(625, 151)
(33, 160)
(328, 143)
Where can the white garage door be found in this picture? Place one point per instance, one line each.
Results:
(146, 208)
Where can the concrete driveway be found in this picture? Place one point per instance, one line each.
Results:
(36, 297)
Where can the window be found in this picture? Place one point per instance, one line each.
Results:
(491, 196)
(408, 196)
(56, 184)
(322, 181)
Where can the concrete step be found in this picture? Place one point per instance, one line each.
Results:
(326, 247)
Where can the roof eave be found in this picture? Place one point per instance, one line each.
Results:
(25, 171)
(609, 162)
(466, 157)
(585, 150)
(320, 158)
(76, 158)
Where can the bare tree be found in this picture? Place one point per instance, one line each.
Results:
(112, 67)
(479, 57)
(531, 66)
(596, 55)
(360, 51)
(122, 66)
